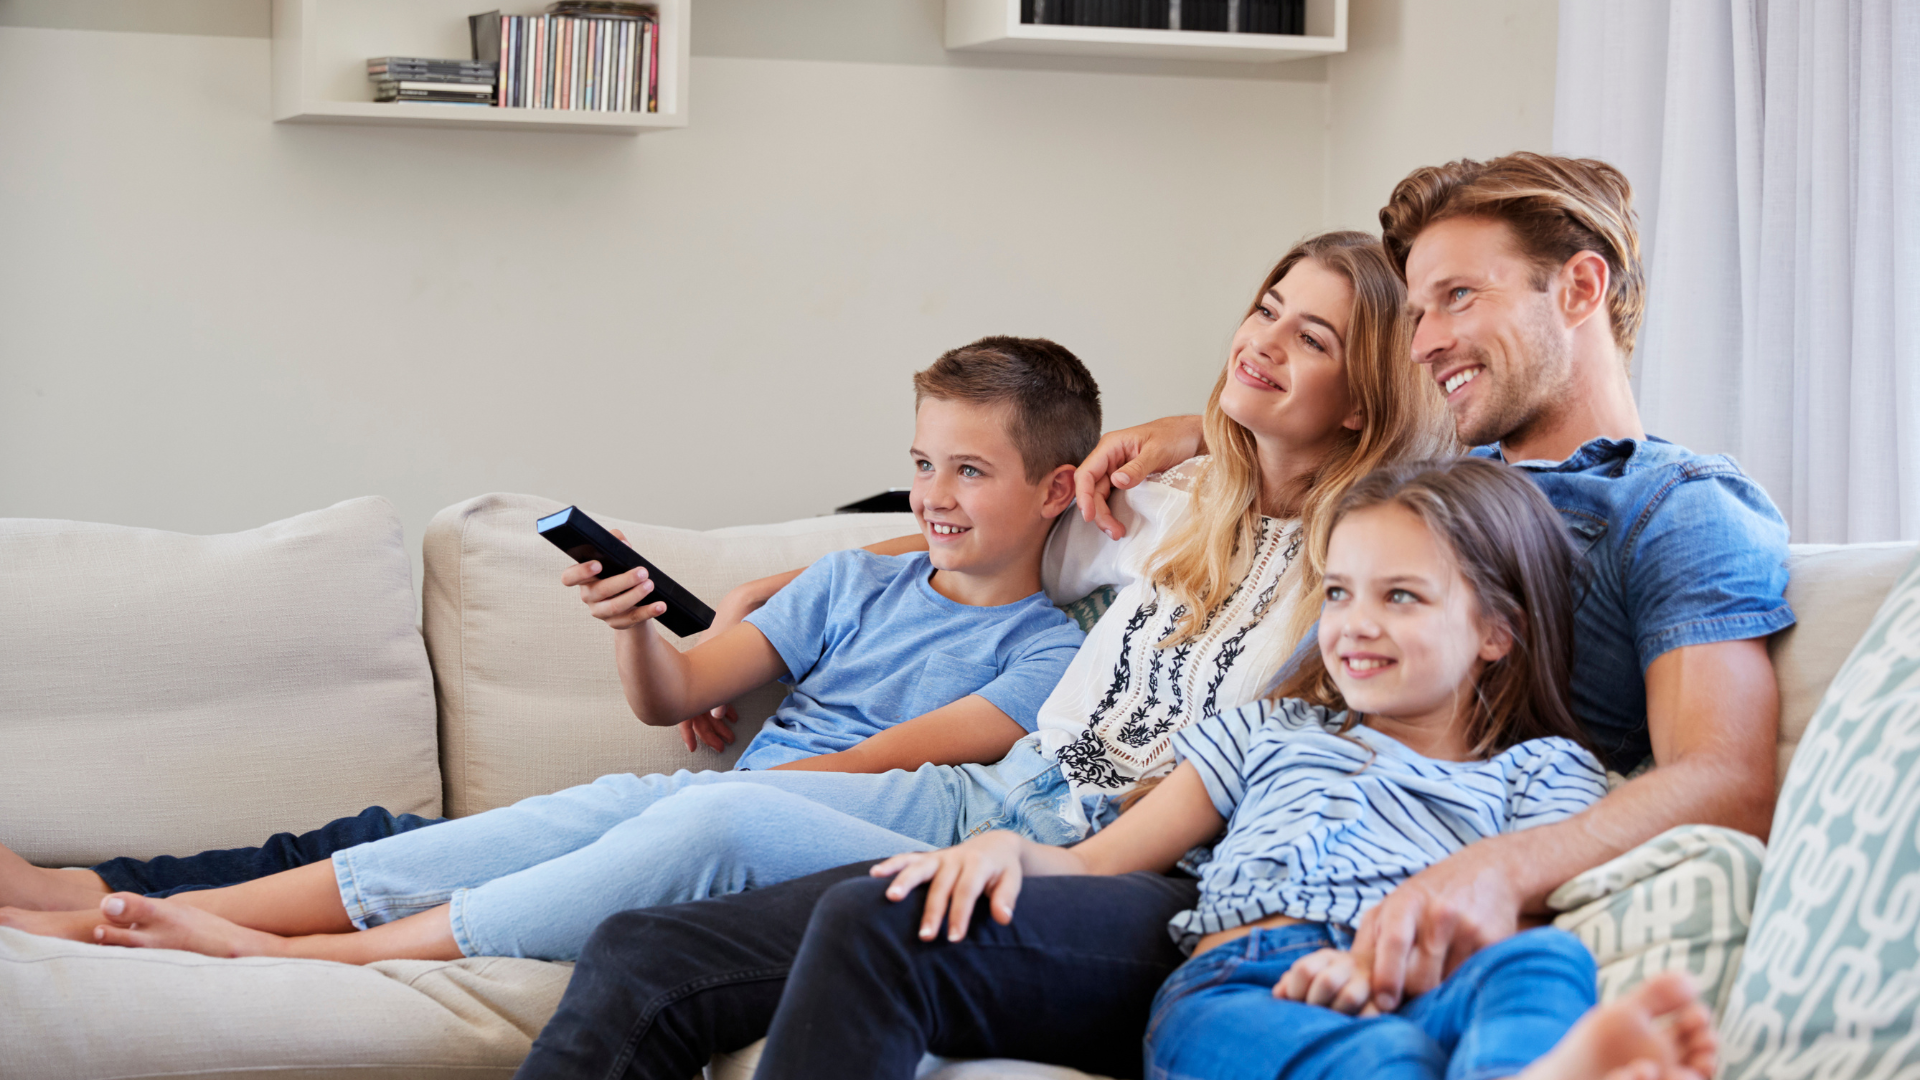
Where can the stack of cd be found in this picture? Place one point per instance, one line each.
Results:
(442, 82)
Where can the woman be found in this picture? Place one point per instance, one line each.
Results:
(1218, 568)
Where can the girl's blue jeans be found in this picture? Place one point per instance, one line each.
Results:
(1216, 1017)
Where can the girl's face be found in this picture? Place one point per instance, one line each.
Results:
(1287, 372)
(1401, 631)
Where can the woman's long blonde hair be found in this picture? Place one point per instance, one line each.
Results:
(1403, 417)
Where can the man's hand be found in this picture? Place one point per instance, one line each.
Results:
(1435, 920)
(1333, 978)
(1124, 458)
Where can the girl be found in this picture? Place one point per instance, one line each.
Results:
(1433, 713)
(1315, 393)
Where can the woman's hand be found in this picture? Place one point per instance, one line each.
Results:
(1124, 458)
(618, 600)
(1333, 978)
(988, 863)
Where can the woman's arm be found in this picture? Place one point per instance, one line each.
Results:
(1175, 816)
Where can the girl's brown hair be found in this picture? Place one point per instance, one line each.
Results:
(1508, 542)
(1403, 417)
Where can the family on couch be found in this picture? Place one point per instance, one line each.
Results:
(1404, 727)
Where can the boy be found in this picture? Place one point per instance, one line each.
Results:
(940, 657)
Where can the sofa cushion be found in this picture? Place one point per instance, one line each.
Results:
(1679, 902)
(163, 693)
(529, 699)
(76, 1010)
(1835, 590)
(1828, 987)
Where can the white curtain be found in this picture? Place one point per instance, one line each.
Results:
(1774, 149)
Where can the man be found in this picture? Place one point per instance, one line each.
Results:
(1525, 285)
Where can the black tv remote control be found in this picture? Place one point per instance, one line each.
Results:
(581, 537)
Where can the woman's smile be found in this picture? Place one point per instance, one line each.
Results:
(1252, 376)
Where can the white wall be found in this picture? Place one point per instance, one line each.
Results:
(209, 321)
(1426, 81)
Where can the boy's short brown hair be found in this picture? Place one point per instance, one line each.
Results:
(1053, 402)
(1557, 207)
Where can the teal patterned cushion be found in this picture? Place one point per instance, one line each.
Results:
(1831, 976)
(1679, 902)
(1087, 610)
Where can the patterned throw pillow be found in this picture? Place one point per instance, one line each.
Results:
(1679, 902)
(1087, 610)
(1832, 971)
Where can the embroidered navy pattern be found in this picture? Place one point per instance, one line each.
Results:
(1152, 692)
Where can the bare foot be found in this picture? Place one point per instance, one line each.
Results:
(147, 923)
(71, 925)
(39, 888)
(1659, 1030)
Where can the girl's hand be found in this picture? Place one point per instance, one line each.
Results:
(988, 863)
(1332, 978)
(617, 601)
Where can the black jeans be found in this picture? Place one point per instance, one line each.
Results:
(166, 874)
(658, 992)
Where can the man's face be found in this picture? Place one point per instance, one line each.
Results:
(1489, 338)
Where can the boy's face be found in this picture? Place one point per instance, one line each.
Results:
(970, 490)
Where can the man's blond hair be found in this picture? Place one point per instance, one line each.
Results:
(1557, 207)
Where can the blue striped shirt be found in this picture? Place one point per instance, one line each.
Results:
(1320, 829)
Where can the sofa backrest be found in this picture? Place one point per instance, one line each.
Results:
(1835, 589)
(529, 699)
(163, 693)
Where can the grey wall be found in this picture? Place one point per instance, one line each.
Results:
(209, 321)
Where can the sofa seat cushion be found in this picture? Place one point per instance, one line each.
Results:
(74, 1010)
(163, 693)
(1828, 985)
(741, 1064)
(529, 699)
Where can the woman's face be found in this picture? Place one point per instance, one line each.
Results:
(1287, 370)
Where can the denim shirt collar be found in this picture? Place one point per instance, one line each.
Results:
(1589, 454)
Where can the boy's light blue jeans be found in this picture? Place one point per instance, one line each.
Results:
(1216, 1016)
(533, 879)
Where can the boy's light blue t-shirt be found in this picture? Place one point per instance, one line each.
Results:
(868, 643)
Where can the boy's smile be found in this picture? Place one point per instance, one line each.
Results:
(983, 520)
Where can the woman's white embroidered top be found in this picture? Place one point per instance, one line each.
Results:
(1111, 720)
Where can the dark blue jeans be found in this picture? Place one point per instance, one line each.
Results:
(166, 874)
(658, 992)
(1507, 1005)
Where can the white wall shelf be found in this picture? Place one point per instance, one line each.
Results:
(995, 26)
(320, 51)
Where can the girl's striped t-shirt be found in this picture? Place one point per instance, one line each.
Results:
(1321, 827)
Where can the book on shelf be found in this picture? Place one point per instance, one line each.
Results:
(592, 55)
(1219, 16)
(415, 67)
(440, 82)
(465, 90)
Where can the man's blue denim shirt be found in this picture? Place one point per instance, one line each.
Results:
(1681, 549)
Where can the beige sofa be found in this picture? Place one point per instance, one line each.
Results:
(162, 694)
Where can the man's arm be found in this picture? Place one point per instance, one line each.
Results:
(1713, 712)
(1124, 458)
(969, 730)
